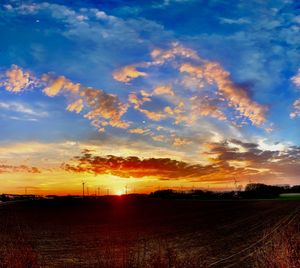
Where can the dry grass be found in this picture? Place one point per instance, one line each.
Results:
(157, 254)
(282, 251)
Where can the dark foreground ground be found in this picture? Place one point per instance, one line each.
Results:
(144, 232)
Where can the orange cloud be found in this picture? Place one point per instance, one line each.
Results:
(155, 116)
(136, 101)
(237, 97)
(227, 162)
(76, 106)
(161, 90)
(127, 73)
(104, 106)
(205, 106)
(159, 138)
(161, 168)
(196, 73)
(17, 79)
(177, 50)
(55, 85)
(139, 130)
(103, 109)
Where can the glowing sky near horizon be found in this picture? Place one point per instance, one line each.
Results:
(148, 94)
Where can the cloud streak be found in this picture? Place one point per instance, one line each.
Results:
(18, 169)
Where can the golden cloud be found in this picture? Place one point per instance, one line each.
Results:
(237, 97)
(106, 106)
(127, 73)
(76, 106)
(17, 79)
(56, 85)
(161, 90)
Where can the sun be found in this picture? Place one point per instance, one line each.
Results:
(119, 193)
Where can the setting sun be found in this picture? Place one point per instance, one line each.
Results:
(119, 193)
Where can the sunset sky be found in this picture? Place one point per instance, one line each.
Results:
(148, 94)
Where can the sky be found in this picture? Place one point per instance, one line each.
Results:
(148, 95)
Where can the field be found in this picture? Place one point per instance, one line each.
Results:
(144, 232)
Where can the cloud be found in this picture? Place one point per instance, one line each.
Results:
(228, 160)
(20, 169)
(22, 108)
(296, 106)
(279, 163)
(211, 82)
(178, 141)
(137, 101)
(17, 79)
(205, 106)
(296, 79)
(238, 21)
(76, 106)
(132, 166)
(106, 106)
(153, 115)
(237, 97)
(161, 90)
(102, 108)
(159, 138)
(127, 73)
(139, 131)
(56, 85)
(160, 56)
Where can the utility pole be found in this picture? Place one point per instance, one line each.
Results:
(235, 184)
(126, 189)
(83, 183)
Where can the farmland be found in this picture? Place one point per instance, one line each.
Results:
(144, 232)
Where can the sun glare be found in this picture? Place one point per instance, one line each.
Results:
(119, 193)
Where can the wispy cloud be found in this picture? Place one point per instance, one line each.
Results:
(18, 169)
(22, 109)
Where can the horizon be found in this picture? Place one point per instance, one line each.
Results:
(148, 95)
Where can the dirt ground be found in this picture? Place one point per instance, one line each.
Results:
(134, 232)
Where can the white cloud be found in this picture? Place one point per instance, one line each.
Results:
(22, 108)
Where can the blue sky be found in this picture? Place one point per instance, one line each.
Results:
(167, 78)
